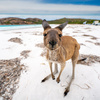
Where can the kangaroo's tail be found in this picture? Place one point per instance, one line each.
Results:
(79, 61)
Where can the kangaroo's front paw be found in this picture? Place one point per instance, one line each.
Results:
(57, 80)
(53, 77)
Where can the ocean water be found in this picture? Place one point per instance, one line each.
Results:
(52, 16)
(11, 27)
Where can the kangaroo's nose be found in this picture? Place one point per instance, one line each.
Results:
(52, 43)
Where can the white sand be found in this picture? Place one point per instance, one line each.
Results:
(86, 85)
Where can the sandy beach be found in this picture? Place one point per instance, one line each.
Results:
(23, 65)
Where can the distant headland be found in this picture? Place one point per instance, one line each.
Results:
(20, 21)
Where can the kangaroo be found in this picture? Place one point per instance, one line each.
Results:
(59, 50)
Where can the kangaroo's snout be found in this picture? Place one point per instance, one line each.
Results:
(52, 39)
(52, 43)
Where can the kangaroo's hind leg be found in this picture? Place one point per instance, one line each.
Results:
(74, 61)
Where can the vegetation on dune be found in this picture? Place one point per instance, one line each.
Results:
(19, 21)
(71, 21)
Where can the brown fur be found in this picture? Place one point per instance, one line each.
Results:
(59, 50)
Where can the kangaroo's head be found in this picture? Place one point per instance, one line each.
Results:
(52, 36)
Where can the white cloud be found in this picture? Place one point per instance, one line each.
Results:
(22, 6)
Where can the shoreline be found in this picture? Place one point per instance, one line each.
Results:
(33, 27)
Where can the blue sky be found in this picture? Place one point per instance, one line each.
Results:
(82, 2)
(50, 6)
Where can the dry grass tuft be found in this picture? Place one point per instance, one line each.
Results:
(92, 37)
(25, 53)
(41, 45)
(97, 43)
(10, 71)
(16, 40)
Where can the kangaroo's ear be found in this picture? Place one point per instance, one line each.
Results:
(60, 27)
(45, 24)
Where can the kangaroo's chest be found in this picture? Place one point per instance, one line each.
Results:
(57, 56)
(53, 56)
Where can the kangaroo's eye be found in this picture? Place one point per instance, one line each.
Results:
(45, 34)
(60, 35)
